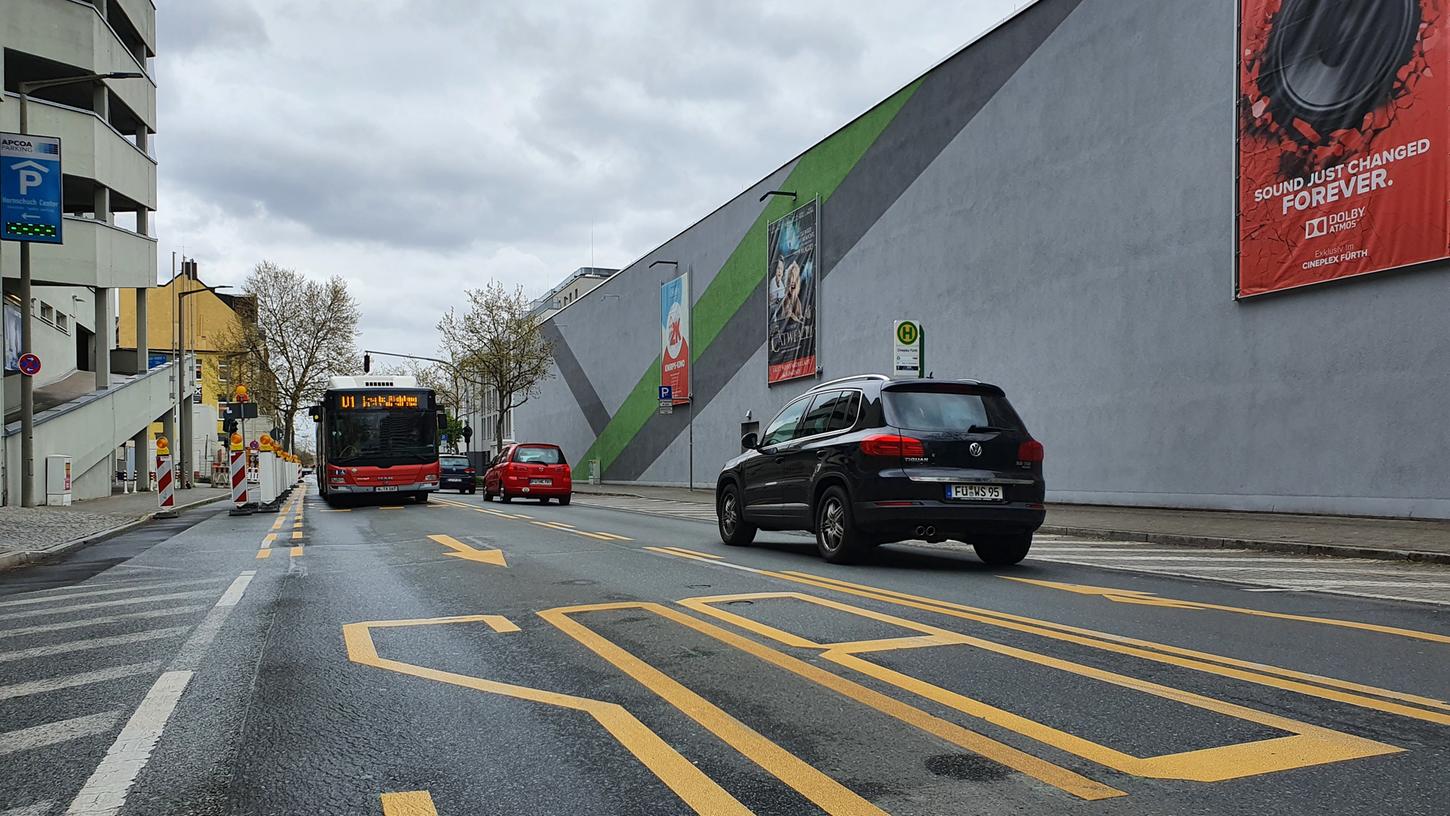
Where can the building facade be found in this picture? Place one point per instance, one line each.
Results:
(108, 255)
(1056, 205)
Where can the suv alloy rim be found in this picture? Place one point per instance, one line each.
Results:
(729, 515)
(833, 524)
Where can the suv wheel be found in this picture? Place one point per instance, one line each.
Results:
(838, 538)
(730, 512)
(1003, 551)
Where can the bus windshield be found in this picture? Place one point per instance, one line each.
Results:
(382, 437)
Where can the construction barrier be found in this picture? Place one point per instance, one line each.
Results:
(165, 481)
(267, 471)
(239, 477)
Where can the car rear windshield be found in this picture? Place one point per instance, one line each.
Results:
(539, 456)
(453, 461)
(949, 409)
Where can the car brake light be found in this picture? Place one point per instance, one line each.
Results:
(1030, 451)
(893, 445)
(469, 470)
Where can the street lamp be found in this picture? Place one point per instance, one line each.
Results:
(183, 407)
(27, 385)
(689, 398)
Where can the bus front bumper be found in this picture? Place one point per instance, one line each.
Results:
(415, 487)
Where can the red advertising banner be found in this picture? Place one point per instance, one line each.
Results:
(1342, 126)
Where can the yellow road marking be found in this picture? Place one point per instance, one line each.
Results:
(683, 551)
(269, 538)
(296, 535)
(411, 803)
(828, 794)
(691, 784)
(297, 525)
(277, 525)
(461, 550)
(391, 507)
(296, 551)
(337, 509)
(1308, 744)
(562, 529)
(264, 553)
(1132, 596)
(612, 536)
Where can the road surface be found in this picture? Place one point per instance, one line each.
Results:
(464, 657)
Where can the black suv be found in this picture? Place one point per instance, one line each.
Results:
(869, 460)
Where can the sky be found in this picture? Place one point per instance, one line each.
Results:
(419, 148)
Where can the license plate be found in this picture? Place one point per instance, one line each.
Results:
(541, 481)
(974, 492)
(386, 489)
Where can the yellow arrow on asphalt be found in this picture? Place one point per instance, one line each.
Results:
(1135, 596)
(461, 550)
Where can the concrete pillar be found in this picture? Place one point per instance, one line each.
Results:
(102, 338)
(101, 102)
(143, 459)
(102, 206)
(143, 345)
(143, 139)
(143, 222)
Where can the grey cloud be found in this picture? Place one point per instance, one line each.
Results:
(193, 25)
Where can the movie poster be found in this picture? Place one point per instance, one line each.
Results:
(675, 337)
(790, 280)
(12, 338)
(1341, 139)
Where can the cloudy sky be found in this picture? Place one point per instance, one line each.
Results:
(422, 147)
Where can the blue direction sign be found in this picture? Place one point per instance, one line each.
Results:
(667, 392)
(30, 188)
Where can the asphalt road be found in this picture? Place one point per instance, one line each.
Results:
(467, 658)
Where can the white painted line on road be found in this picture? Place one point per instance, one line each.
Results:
(73, 680)
(1130, 551)
(109, 619)
(62, 610)
(1206, 559)
(1336, 582)
(234, 592)
(99, 592)
(55, 733)
(191, 652)
(104, 793)
(37, 809)
(93, 643)
(1267, 570)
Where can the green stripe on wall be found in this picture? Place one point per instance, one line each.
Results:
(818, 173)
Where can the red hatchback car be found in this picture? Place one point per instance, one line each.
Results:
(529, 471)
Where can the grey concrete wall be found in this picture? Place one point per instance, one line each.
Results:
(1074, 243)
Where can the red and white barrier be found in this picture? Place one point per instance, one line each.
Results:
(165, 480)
(238, 473)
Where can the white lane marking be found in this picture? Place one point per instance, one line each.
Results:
(37, 809)
(64, 610)
(1206, 559)
(105, 792)
(1248, 570)
(93, 643)
(1130, 551)
(191, 652)
(98, 592)
(73, 680)
(109, 619)
(54, 733)
(234, 592)
(1336, 582)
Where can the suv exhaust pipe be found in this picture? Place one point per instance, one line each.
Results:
(925, 531)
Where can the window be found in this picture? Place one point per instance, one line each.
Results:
(948, 410)
(60, 322)
(531, 455)
(832, 411)
(783, 426)
(47, 312)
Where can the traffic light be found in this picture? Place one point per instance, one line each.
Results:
(367, 363)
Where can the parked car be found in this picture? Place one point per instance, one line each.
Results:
(457, 472)
(869, 460)
(529, 470)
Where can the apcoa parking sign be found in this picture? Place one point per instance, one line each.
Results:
(30, 188)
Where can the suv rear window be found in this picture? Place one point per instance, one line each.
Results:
(948, 409)
(539, 456)
(453, 461)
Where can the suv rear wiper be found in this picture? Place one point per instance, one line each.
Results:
(988, 429)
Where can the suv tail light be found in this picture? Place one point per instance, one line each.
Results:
(893, 445)
(469, 471)
(1030, 451)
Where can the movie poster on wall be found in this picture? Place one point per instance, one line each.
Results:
(1341, 139)
(790, 277)
(675, 337)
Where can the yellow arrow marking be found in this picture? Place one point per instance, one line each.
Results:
(467, 553)
(264, 553)
(1134, 596)
(411, 803)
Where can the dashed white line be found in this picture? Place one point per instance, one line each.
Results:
(63, 610)
(93, 643)
(234, 592)
(73, 680)
(109, 619)
(105, 792)
(55, 733)
(92, 593)
(37, 809)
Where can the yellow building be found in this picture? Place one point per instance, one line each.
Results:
(211, 317)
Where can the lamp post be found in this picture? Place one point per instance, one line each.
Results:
(183, 401)
(27, 384)
(689, 344)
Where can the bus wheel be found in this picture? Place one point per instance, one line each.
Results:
(422, 497)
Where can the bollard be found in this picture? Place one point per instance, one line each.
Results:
(165, 483)
(267, 472)
(239, 478)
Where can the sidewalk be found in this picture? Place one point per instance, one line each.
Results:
(35, 533)
(1345, 536)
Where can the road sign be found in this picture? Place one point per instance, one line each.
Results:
(254, 445)
(907, 354)
(667, 407)
(30, 188)
(29, 365)
(667, 392)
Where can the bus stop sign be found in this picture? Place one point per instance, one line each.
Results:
(30, 188)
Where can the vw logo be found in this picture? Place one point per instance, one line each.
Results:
(975, 449)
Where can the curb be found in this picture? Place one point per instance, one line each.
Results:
(1210, 542)
(25, 558)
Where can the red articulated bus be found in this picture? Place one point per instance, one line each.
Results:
(377, 436)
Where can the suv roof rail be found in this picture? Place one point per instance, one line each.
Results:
(849, 379)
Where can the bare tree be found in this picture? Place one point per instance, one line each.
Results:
(499, 344)
(305, 331)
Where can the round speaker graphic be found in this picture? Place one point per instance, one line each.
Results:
(1328, 63)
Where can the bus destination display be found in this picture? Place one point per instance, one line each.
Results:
(374, 401)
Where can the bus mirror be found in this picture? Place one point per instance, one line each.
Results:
(442, 421)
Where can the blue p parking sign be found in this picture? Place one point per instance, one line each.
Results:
(30, 188)
(667, 392)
